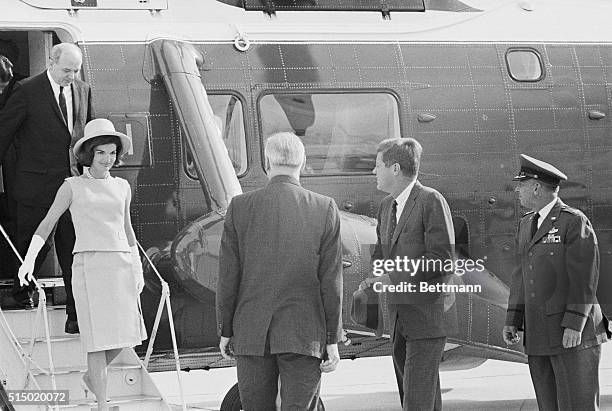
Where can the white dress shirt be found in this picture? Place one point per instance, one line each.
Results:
(401, 200)
(67, 91)
(545, 211)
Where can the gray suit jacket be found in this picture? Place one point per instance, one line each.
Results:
(425, 230)
(280, 271)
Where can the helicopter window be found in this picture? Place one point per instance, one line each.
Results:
(228, 116)
(340, 131)
(524, 65)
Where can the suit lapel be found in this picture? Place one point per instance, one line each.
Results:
(51, 98)
(410, 203)
(547, 223)
(76, 102)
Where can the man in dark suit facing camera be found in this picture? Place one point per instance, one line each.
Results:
(279, 295)
(553, 290)
(42, 117)
(414, 222)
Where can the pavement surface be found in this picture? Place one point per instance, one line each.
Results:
(369, 384)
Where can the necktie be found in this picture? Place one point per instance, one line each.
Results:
(62, 104)
(393, 222)
(534, 224)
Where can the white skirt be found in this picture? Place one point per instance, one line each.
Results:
(106, 300)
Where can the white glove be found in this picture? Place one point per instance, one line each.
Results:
(137, 268)
(27, 268)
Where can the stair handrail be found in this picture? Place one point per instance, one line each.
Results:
(42, 308)
(164, 300)
(20, 351)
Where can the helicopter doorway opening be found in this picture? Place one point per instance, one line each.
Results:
(28, 51)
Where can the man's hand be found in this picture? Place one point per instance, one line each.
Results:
(510, 334)
(333, 358)
(227, 350)
(571, 338)
(368, 282)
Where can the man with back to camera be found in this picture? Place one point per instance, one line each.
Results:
(279, 294)
(414, 221)
(552, 296)
(42, 117)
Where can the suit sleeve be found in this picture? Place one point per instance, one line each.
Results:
(582, 265)
(439, 235)
(515, 313)
(229, 275)
(11, 118)
(330, 275)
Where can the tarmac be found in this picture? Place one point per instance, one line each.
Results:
(369, 384)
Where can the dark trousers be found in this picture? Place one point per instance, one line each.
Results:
(567, 381)
(417, 365)
(258, 377)
(8, 213)
(28, 219)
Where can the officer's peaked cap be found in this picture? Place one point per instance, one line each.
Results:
(539, 170)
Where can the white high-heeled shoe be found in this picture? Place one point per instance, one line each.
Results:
(86, 386)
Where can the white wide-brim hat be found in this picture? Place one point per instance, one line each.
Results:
(102, 127)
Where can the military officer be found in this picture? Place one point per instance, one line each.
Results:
(552, 296)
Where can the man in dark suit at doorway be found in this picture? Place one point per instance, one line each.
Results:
(552, 296)
(42, 117)
(279, 295)
(414, 222)
(8, 205)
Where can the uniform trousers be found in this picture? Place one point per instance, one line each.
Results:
(300, 381)
(28, 219)
(568, 381)
(417, 365)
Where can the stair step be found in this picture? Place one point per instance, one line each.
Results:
(67, 351)
(22, 321)
(121, 382)
(46, 282)
(83, 367)
(123, 403)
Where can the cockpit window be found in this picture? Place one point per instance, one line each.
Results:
(228, 116)
(340, 131)
(524, 65)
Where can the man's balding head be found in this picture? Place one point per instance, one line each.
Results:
(66, 60)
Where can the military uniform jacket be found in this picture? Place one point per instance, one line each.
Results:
(554, 286)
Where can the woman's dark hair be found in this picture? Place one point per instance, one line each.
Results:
(86, 153)
(6, 69)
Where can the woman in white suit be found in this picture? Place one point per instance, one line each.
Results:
(107, 272)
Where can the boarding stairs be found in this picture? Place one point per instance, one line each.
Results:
(58, 362)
